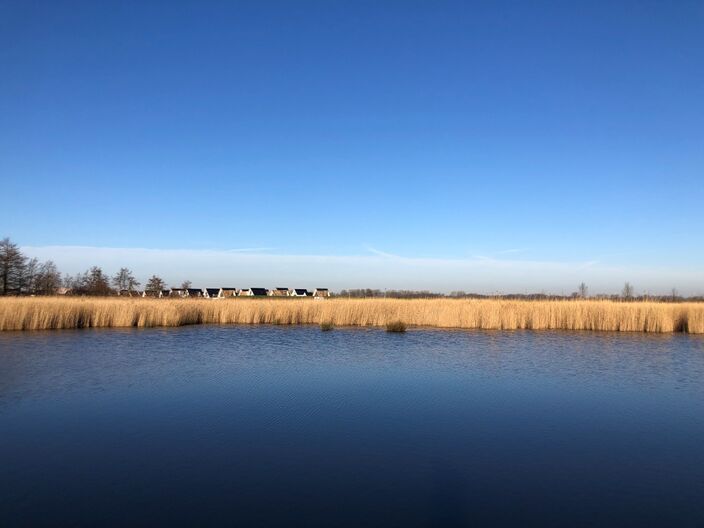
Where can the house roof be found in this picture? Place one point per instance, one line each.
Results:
(213, 291)
(194, 290)
(321, 289)
(301, 291)
(281, 289)
(258, 291)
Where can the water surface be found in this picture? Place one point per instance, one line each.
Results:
(290, 426)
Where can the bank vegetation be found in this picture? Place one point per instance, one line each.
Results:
(45, 313)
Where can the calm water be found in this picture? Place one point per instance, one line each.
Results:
(296, 427)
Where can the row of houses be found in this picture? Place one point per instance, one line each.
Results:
(223, 293)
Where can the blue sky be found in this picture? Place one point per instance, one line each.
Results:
(559, 141)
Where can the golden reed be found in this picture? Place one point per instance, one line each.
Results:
(44, 313)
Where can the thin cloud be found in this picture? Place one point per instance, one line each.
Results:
(251, 250)
(382, 253)
(512, 251)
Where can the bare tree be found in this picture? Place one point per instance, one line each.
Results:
(186, 284)
(28, 276)
(124, 280)
(583, 291)
(155, 283)
(92, 282)
(674, 294)
(12, 262)
(627, 292)
(48, 278)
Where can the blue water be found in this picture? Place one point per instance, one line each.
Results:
(291, 426)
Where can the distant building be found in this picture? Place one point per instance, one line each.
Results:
(229, 292)
(178, 292)
(64, 291)
(279, 292)
(299, 292)
(129, 293)
(321, 293)
(166, 293)
(194, 292)
(212, 293)
(253, 292)
(152, 293)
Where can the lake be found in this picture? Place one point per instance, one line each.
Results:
(291, 426)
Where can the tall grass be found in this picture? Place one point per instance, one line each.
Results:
(42, 313)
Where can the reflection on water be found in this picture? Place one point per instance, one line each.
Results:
(280, 426)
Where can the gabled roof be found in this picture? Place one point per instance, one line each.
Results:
(258, 291)
(196, 291)
(213, 291)
(301, 291)
(281, 289)
(321, 289)
(228, 289)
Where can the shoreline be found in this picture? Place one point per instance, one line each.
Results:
(54, 313)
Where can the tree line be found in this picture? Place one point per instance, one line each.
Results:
(582, 292)
(21, 275)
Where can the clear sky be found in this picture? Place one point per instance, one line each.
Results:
(496, 146)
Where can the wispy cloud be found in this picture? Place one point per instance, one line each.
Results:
(250, 250)
(512, 251)
(382, 253)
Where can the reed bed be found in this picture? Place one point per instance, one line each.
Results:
(44, 313)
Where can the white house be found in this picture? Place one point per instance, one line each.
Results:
(212, 293)
(253, 292)
(299, 292)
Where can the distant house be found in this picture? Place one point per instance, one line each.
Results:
(166, 293)
(64, 291)
(253, 292)
(129, 293)
(212, 293)
(194, 292)
(321, 293)
(299, 292)
(229, 292)
(155, 294)
(279, 292)
(178, 292)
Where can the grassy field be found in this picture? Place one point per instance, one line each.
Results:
(42, 313)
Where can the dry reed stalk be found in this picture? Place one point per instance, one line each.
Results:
(44, 313)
